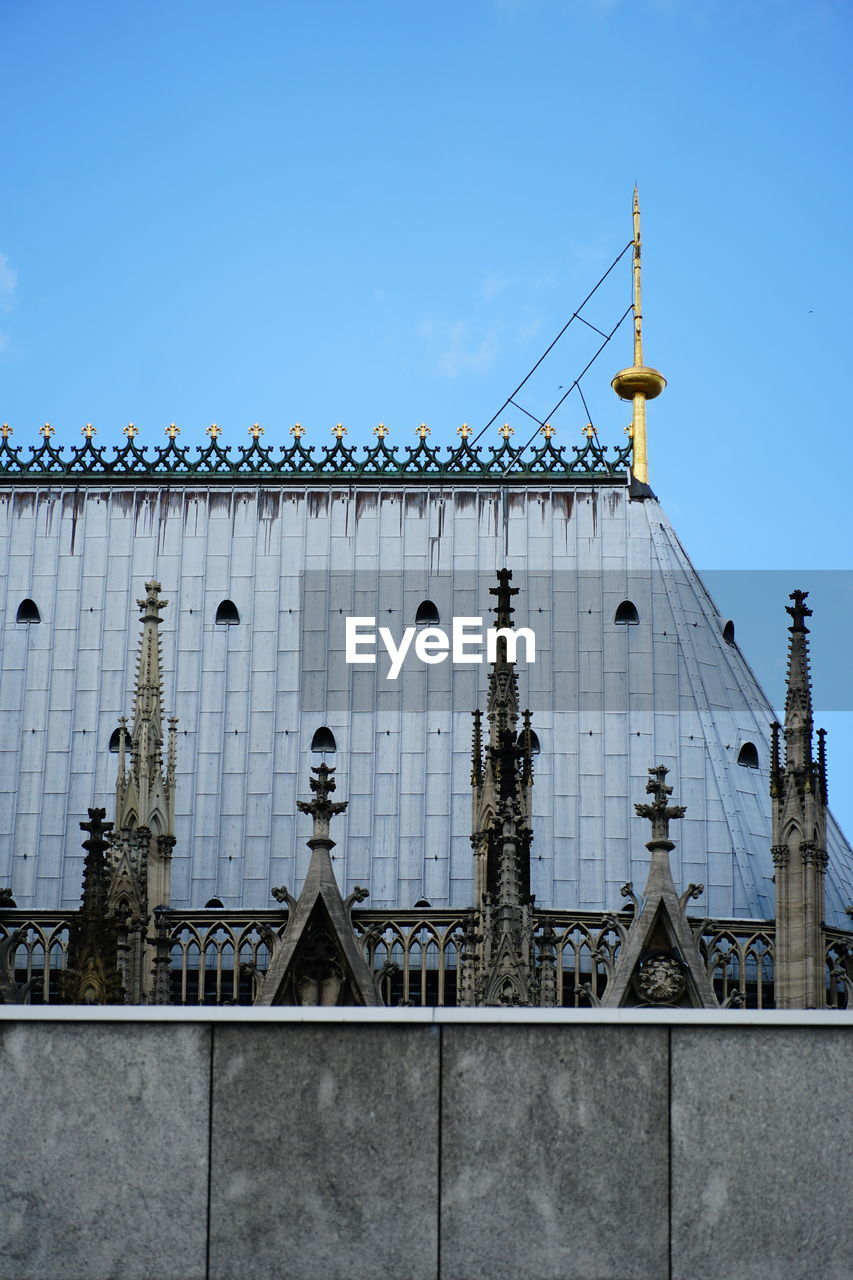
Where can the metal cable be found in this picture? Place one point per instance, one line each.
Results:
(563, 399)
(574, 316)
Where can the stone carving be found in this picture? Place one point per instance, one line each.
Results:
(318, 973)
(12, 992)
(660, 978)
(284, 896)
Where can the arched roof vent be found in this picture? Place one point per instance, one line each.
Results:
(627, 614)
(215, 904)
(535, 748)
(729, 632)
(427, 615)
(226, 614)
(423, 902)
(28, 611)
(115, 740)
(324, 740)
(748, 756)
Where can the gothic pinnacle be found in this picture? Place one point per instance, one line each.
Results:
(659, 812)
(321, 808)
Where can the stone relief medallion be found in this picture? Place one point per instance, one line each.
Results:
(660, 978)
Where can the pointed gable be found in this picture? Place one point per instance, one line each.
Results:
(318, 960)
(659, 962)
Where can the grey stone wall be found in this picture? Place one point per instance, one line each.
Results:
(465, 1150)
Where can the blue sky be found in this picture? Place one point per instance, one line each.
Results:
(377, 211)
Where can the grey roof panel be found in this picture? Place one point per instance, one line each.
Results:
(665, 690)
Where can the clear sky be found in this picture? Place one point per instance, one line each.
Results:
(374, 211)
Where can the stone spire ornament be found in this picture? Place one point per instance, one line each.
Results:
(503, 770)
(145, 791)
(500, 965)
(143, 831)
(318, 960)
(798, 795)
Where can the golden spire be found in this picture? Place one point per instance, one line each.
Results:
(639, 383)
(638, 292)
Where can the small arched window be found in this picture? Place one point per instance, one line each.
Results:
(626, 614)
(427, 615)
(28, 611)
(729, 632)
(226, 614)
(748, 756)
(115, 740)
(324, 740)
(535, 748)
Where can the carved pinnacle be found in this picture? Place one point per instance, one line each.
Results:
(504, 593)
(659, 812)
(799, 611)
(322, 786)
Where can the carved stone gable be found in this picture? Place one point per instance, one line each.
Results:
(659, 962)
(318, 961)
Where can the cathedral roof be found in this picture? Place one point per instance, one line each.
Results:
(270, 553)
(633, 667)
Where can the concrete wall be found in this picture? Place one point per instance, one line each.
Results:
(424, 1145)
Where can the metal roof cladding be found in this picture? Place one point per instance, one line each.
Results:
(296, 554)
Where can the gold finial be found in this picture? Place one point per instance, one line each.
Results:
(589, 431)
(629, 430)
(637, 273)
(172, 431)
(464, 431)
(506, 431)
(88, 431)
(639, 383)
(297, 430)
(213, 431)
(547, 431)
(423, 431)
(5, 431)
(255, 431)
(381, 431)
(130, 431)
(47, 431)
(339, 430)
